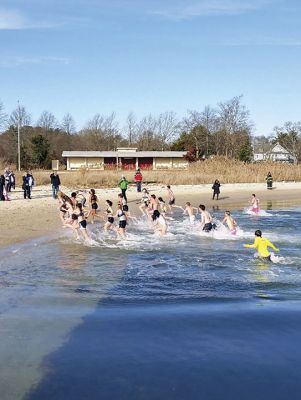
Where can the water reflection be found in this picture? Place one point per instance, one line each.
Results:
(50, 290)
(263, 277)
(269, 205)
(72, 257)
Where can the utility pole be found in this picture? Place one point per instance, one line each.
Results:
(19, 145)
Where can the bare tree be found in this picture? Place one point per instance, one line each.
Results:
(102, 132)
(190, 121)
(202, 125)
(111, 126)
(147, 133)
(68, 124)
(167, 127)
(232, 118)
(208, 119)
(106, 124)
(3, 117)
(131, 128)
(19, 116)
(47, 121)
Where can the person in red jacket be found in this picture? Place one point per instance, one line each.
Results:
(138, 180)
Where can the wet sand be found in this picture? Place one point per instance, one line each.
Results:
(27, 219)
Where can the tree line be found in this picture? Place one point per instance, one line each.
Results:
(225, 130)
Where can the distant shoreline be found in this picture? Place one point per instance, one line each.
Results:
(28, 219)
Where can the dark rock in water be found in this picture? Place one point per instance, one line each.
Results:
(82, 290)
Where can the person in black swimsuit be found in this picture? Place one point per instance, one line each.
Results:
(109, 224)
(122, 221)
(94, 206)
(82, 221)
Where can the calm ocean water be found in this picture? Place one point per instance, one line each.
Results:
(187, 316)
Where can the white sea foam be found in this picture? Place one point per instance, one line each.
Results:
(283, 260)
(140, 235)
(260, 213)
(276, 259)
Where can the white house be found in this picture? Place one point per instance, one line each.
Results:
(276, 153)
(127, 159)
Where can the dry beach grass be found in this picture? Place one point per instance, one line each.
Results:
(202, 172)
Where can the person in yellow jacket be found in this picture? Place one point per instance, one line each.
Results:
(262, 244)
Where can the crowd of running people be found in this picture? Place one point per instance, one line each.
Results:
(78, 208)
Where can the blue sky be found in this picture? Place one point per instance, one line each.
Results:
(96, 56)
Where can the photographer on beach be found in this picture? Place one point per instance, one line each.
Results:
(55, 183)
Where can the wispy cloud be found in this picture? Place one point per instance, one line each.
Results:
(11, 61)
(13, 19)
(205, 8)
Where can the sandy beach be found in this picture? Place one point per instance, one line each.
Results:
(27, 219)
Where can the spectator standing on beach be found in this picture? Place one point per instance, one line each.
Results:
(216, 189)
(7, 179)
(123, 184)
(2, 187)
(269, 180)
(25, 186)
(138, 180)
(31, 181)
(55, 183)
(12, 181)
(28, 183)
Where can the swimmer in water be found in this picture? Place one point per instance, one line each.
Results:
(231, 223)
(162, 205)
(123, 202)
(144, 202)
(172, 199)
(206, 219)
(122, 221)
(254, 204)
(93, 204)
(109, 224)
(125, 208)
(262, 244)
(65, 207)
(73, 199)
(189, 209)
(74, 221)
(80, 197)
(82, 221)
(159, 221)
(153, 202)
(77, 197)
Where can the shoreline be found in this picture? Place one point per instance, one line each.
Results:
(23, 220)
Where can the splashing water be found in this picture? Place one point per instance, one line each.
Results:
(260, 213)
